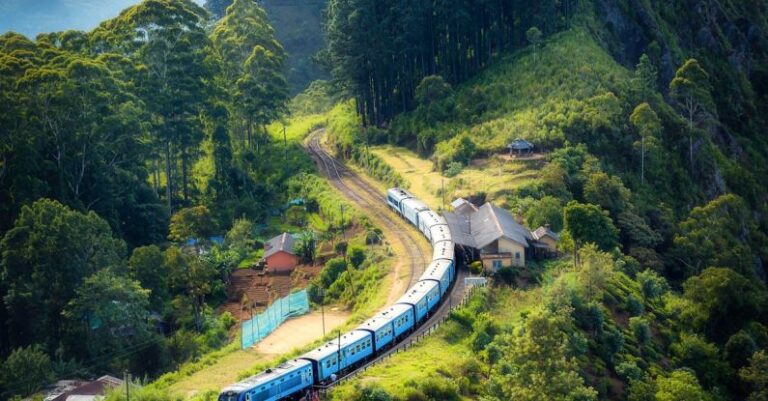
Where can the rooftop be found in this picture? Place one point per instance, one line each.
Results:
(281, 243)
(487, 224)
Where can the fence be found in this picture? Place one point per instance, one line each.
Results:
(266, 322)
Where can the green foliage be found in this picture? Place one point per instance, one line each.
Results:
(192, 223)
(45, 258)
(459, 149)
(720, 233)
(547, 210)
(587, 223)
(723, 301)
(147, 265)
(25, 371)
(453, 169)
(306, 246)
(240, 238)
(356, 255)
(756, 374)
(680, 385)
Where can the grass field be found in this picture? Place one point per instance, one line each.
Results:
(444, 355)
(496, 176)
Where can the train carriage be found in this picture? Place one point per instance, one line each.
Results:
(339, 354)
(410, 209)
(438, 233)
(381, 329)
(395, 196)
(440, 271)
(422, 297)
(428, 219)
(273, 384)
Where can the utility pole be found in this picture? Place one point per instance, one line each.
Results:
(253, 338)
(322, 308)
(442, 190)
(285, 144)
(343, 232)
(127, 379)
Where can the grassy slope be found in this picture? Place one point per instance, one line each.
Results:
(227, 365)
(570, 68)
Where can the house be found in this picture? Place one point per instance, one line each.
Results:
(75, 390)
(279, 254)
(520, 146)
(546, 237)
(492, 235)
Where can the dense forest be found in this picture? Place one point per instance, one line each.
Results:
(118, 146)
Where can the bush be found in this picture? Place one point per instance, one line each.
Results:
(454, 169)
(356, 256)
(26, 370)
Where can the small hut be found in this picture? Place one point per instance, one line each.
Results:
(521, 146)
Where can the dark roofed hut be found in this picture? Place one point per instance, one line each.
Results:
(520, 146)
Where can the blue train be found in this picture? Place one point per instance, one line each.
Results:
(293, 379)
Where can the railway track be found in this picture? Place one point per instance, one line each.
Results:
(361, 193)
(369, 199)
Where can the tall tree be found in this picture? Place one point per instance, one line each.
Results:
(45, 257)
(693, 93)
(648, 125)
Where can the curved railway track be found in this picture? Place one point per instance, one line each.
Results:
(357, 191)
(360, 192)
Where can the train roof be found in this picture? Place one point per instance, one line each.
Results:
(417, 292)
(431, 218)
(415, 204)
(440, 232)
(399, 194)
(333, 346)
(443, 250)
(436, 269)
(266, 376)
(382, 318)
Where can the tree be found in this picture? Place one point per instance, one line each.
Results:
(648, 125)
(356, 256)
(547, 210)
(539, 353)
(652, 285)
(595, 269)
(45, 257)
(645, 78)
(306, 246)
(680, 385)
(534, 36)
(693, 93)
(587, 223)
(26, 370)
(739, 349)
(240, 239)
(720, 233)
(108, 313)
(722, 302)
(606, 191)
(192, 223)
(147, 266)
(756, 374)
(640, 329)
(193, 279)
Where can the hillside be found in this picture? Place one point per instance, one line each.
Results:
(649, 160)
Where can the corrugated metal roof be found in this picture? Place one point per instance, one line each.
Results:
(283, 242)
(460, 231)
(491, 223)
(488, 224)
(542, 231)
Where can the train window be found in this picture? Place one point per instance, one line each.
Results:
(247, 396)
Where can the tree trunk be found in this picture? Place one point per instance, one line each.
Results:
(642, 161)
(184, 174)
(168, 180)
(250, 132)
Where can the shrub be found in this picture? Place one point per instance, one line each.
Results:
(356, 256)
(454, 169)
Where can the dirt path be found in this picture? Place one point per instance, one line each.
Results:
(295, 333)
(300, 331)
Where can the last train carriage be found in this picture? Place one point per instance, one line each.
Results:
(322, 365)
